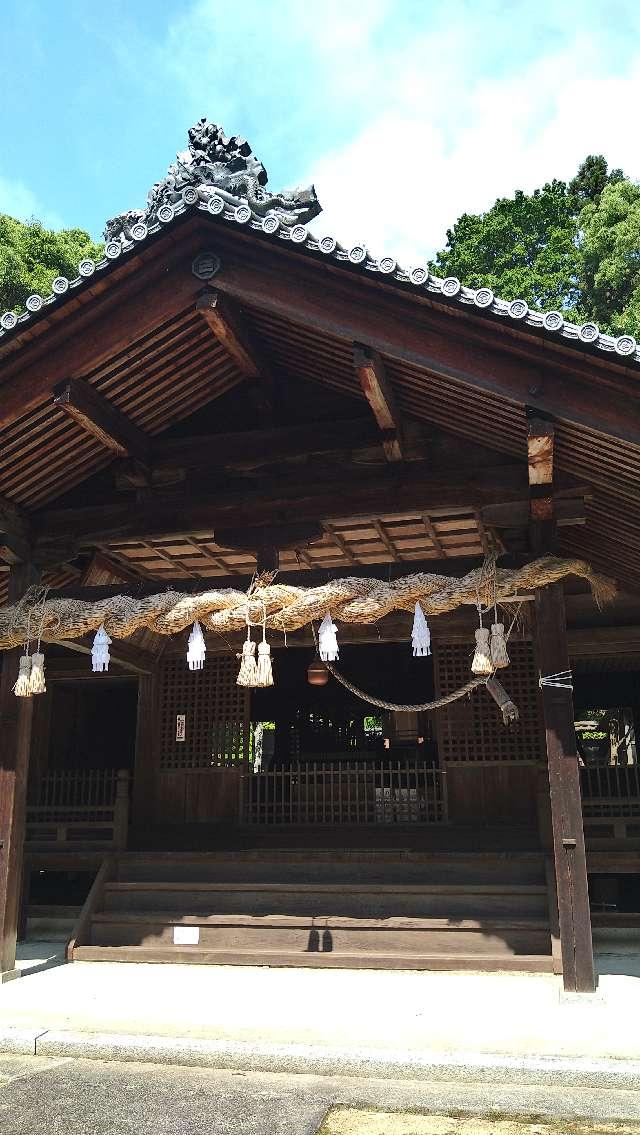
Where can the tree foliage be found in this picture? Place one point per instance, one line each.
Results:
(31, 257)
(571, 246)
(610, 255)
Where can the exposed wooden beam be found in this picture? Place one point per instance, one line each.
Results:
(402, 328)
(124, 654)
(516, 514)
(231, 330)
(376, 388)
(271, 501)
(229, 327)
(251, 449)
(543, 517)
(100, 418)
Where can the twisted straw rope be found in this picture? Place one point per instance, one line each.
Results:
(288, 608)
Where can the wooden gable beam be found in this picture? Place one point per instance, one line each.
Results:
(228, 325)
(377, 390)
(230, 329)
(100, 418)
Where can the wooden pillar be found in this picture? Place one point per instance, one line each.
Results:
(146, 756)
(574, 918)
(15, 738)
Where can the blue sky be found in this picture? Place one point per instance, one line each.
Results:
(404, 113)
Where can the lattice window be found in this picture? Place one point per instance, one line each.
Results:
(212, 705)
(471, 729)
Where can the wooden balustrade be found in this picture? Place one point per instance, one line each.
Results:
(610, 790)
(346, 792)
(79, 808)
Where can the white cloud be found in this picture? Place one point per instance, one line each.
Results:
(18, 200)
(438, 148)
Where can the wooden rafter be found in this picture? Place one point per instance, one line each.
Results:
(100, 418)
(341, 542)
(379, 527)
(377, 390)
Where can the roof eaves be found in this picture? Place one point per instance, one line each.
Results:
(418, 278)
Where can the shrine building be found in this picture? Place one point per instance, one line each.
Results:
(320, 602)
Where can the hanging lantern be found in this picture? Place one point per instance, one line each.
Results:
(317, 673)
(197, 648)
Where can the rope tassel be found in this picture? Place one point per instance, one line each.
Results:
(327, 640)
(420, 635)
(248, 675)
(499, 654)
(100, 657)
(37, 684)
(197, 648)
(482, 664)
(21, 688)
(264, 675)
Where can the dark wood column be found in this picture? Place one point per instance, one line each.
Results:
(146, 757)
(562, 757)
(16, 716)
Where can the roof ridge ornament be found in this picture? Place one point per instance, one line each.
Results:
(217, 165)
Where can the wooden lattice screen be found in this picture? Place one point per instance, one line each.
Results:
(471, 729)
(213, 706)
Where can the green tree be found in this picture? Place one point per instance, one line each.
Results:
(530, 245)
(609, 245)
(31, 257)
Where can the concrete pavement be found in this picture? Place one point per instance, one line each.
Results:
(40, 1096)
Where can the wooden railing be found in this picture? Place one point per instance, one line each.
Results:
(79, 807)
(610, 790)
(346, 792)
(610, 802)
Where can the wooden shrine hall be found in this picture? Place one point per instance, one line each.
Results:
(406, 514)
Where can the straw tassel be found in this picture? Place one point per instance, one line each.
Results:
(420, 635)
(264, 675)
(37, 684)
(21, 688)
(499, 654)
(327, 640)
(482, 663)
(100, 657)
(197, 648)
(248, 675)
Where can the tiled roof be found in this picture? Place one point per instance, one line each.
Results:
(417, 279)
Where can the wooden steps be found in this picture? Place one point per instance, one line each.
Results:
(353, 909)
